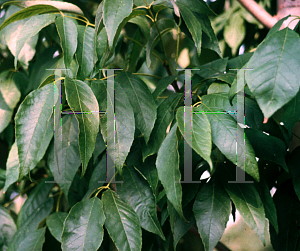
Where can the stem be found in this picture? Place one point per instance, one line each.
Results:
(174, 84)
(160, 37)
(259, 13)
(108, 77)
(150, 18)
(105, 187)
(154, 21)
(82, 20)
(58, 201)
(133, 40)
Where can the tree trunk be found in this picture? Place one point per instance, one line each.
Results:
(288, 7)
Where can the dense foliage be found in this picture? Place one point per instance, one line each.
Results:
(150, 43)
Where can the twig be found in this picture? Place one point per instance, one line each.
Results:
(259, 13)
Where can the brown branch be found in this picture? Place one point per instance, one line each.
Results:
(259, 13)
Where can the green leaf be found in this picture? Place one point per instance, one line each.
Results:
(142, 23)
(167, 165)
(33, 127)
(209, 39)
(291, 113)
(277, 26)
(201, 140)
(192, 23)
(288, 208)
(212, 210)
(121, 222)
(219, 102)
(11, 34)
(35, 200)
(85, 54)
(114, 13)
(124, 132)
(133, 52)
(99, 147)
(239, 61)
(273, 80)
(198, 6)
(246, 199)
(99, 174)
(157, 31)
(235, 88)
(142, 2)
(99, 19)
(83, 227)
(12, 167)
(28, 12)
(99, 88)
(224, 131)
(82, 99)
(124, 116)
(67, 31)
(218, 88)
(141, 100)
(148, 169)
(179, 226)
(137, 192)
(39, 74)
(134, 13)
(2, 178)
(268, 202)
(34, 241)
(65, 171)
(9, 98)
(253, 114)
(135, 157)
(267, 147)
(102, 49)
(62, 6)
(7, 227)
(55, 223)
(32, 27)
(30, 226)
(235, 31)
(165, 115)
(213, 69)
(48, 80)
(162, 85)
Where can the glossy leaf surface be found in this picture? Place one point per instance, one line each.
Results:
(83, 227)
(83, 101)
(121, 222)
(167, 164)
